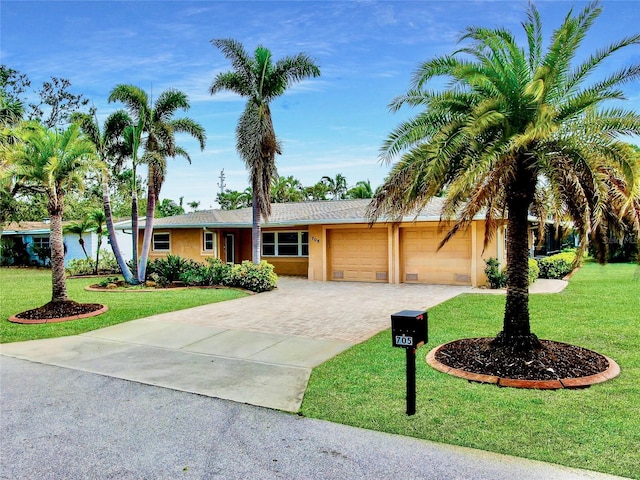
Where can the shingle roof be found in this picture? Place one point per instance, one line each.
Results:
(302, 213)
(19, 228)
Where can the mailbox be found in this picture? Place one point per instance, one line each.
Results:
(409, 328)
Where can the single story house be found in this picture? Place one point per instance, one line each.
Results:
(333, 241)
(28, 242)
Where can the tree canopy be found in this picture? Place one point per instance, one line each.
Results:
(519, 130)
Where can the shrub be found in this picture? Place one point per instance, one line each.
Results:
(168, 270)
(14, 252)
(108, 262)
(534, 270)
(109, 280)
(80, 266)
(558, 265)
(497, 278)
(83, 266)
(257, 278)
(218, 272)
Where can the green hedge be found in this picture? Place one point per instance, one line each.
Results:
(558, 265)
(247, 275)
(498, 278)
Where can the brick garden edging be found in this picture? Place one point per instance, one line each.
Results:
(579, 382)
(95, 313)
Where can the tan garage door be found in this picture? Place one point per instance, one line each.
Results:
(420, 262)
(358, 255)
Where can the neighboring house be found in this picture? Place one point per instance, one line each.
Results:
(22, 241)
(332, 240)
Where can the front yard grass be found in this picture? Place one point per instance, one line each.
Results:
(596, 428)
(24, 289)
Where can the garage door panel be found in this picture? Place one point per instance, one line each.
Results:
(358, 255)
(422, 262)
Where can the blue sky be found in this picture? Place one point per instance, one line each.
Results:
(366, 50)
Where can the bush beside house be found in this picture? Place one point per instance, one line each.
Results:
(558, 265)
(247, 275)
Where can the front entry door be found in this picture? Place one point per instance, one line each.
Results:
(229, 247)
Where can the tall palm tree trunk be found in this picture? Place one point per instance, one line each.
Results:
(256, 233)
(135, 230)
(59, 285)
(516, 331)
(111, 231)
(152, 198)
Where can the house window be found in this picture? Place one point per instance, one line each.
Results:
(161, 242)
(285, 244)
(41, 242)
(209, 241)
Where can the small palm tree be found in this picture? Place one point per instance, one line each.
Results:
(154, 121)
(52, 162)
(78, 228)
(98, 220)
(260, 81)
(518, 131)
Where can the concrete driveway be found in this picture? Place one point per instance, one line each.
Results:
(257, 350)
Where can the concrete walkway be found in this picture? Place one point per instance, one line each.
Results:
(258, 349)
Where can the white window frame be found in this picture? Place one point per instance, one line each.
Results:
(214, 242)
(154, 242)
(301, 244)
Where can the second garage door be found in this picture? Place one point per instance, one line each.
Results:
(422, 262)
(358, 255)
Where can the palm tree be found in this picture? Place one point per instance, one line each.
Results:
(260, 81)
(362, 189)
(52, 162)
(155, 121)
(112, 150)
(98, 218)
(78, 228)
(337, 186)
(518, 131)
(286, 189)
(317, 192)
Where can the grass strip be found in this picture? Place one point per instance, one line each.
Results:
(596, 428)
(24, 289)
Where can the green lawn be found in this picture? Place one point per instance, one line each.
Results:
(24, 289)
(596, 428)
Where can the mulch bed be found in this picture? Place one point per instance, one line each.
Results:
(57, 310)
(554, 361)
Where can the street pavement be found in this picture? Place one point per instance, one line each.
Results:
(59, 423)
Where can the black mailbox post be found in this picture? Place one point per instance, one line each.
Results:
(409, 330)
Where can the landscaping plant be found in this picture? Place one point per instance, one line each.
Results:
(519, 129)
